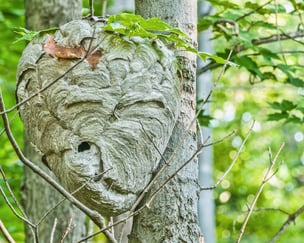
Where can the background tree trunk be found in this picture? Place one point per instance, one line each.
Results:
(38, 197)
(172, 216)
(206, 207)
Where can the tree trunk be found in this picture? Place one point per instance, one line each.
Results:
(206, 208)
(172, 216)
(38, 196)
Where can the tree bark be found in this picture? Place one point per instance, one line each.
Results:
(172, 216)
(206, 208)
(38, 196)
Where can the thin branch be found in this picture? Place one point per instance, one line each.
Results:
(268, 175)
(53, 231)
(88, 53)
(33, 229)
(154, 145)
(132, 214)
(168, 162)
(197, 152)
(91, 3)
(253, 11)
(24, 219)
(235, 158)
(271, 209)
(278, 30)
(265, 40)
(104, 8)
(10, 121)
(94, 215)
(6, 234)
(68, 229)
(43, 89)
(291, 218)
(72, 193)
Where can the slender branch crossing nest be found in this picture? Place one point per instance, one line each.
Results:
(101, 115)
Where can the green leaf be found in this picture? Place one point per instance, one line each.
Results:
(263, 24)
(28, 35)
(269, 76)
(251, 5)
(284, 105)
(297, 82)
(268, 54)
(203, 119)
(225, 4)
(301, 109)
(217, 59)
(249, 64)
(295, 119)
(277, 116)
(134, 25)
(204, 24)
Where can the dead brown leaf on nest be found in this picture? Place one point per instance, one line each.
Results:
(55, 50)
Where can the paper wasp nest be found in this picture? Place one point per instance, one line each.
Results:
(102, 114)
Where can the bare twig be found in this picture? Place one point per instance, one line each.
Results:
(24, 219)
(167, 162)
(6, 234)
(268, 175)
(278, 30)
(11, 119)
(132, 214)
(53, 231)
(271, 209)
(43, 89)
(95, 216)
(253, 11)
(88, 53)
(104, 8)
(33, 227)
(91, 3)
(67, 230)
(72, 193)
(232, 163)
(170, 159)
(197, 152)
(291, 218)
(264, 40)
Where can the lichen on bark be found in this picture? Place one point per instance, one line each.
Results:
(103, 118)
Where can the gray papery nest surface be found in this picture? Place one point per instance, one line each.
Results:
(92, 119)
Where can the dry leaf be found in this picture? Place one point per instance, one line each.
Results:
(55, 50)
(58, 51)
(93, 59)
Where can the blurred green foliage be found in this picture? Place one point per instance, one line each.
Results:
(268, 88)
(11, 16)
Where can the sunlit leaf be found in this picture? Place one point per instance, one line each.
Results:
(284, 105)
(28, 35)
(277, 116)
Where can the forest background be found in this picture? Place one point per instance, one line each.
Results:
(267, 87)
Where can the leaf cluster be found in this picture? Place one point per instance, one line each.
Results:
(154, 28)
(288, 111)
(266, 40)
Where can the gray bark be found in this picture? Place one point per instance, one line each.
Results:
(121, 5)
(44, 14)
(206, 208)
(172, 216)
(38, 196)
